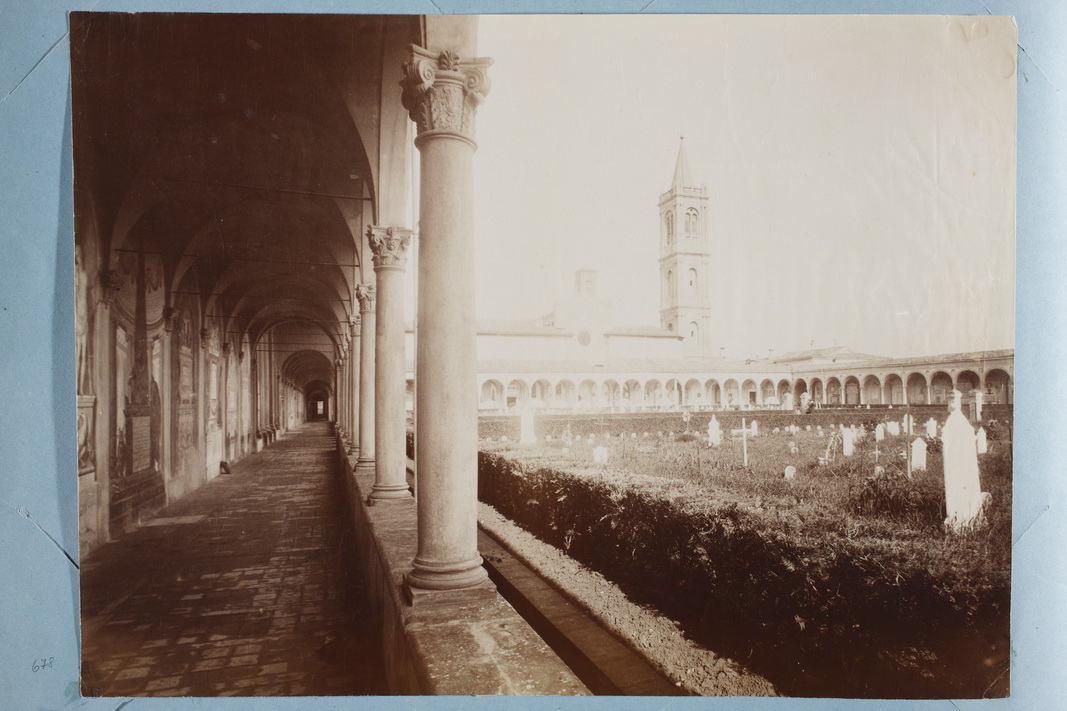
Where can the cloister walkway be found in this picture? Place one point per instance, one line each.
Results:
(245, 587)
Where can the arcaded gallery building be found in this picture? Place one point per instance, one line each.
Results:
(243, 192)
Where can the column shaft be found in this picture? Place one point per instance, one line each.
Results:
(389, 246)
(365, 294)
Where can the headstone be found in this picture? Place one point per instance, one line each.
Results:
(963, 490)
(807, 428)
(918, 454)
(568, 437)
(892, 428)
(753, 429)
(805, 401)
(792, 447)
(908, 425)
(879, 432)
(790, 472)
(979, 396)
(818, 428)
(503, 438)
(526, 426)
(847, 442)
(879, 470)
(981, 441)
(633, 435)
(714, 432)
(600, 455)
(776, 430)
(787, 402)
(931, 427)
(670, 436)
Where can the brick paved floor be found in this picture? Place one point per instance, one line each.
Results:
(244, 587)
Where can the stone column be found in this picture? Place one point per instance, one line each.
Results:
(389, 246)
(352, 390)
(442, 92)
(365, 294)
(338, 388)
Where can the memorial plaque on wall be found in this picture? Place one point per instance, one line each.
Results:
(141, 442)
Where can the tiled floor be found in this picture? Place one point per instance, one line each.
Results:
(244, 587)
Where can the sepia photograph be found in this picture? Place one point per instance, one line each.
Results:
(544, 355)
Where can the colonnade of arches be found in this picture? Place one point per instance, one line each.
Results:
(620, 393)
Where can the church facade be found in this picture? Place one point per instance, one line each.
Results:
(578, 359)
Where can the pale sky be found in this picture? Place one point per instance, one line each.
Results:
(861, 172)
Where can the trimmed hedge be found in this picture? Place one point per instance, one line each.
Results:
(819, 615)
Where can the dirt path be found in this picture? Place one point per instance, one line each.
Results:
(658, 639)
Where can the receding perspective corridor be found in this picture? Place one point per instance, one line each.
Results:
(245, 587)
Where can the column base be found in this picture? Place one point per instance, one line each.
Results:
(392, 492)
(421, 596)
(454, 576)
(364, 465)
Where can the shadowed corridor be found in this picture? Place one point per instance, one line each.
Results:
(245, 587)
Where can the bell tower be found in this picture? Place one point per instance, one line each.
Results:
(685, 260)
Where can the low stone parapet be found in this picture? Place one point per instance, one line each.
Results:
(442, 642)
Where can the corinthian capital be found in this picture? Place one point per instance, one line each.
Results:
(389, 246)
(365, 295)
(442, 91)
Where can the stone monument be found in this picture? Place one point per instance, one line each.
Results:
(918, 454)
(714, 432)
(964, 498)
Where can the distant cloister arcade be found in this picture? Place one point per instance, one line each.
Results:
(665, 391)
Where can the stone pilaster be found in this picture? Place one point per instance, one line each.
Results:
(441, 93)
(389, 246)
(365, 295)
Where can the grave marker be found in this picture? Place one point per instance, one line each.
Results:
(964, 498)
(847, 442)
(714, 432)
(918, 454)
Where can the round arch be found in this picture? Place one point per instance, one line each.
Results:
(940, 387)
(872, 390)
(713, 392)
(731, 393)
(491, 396)
(893, 390)
(835, 394)
(694, 393)
(852, 390)
(998, 387)
(518, 393)
(817, 392)
(918, 392)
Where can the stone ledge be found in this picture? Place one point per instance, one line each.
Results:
(451, 642)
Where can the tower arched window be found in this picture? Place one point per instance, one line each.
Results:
(694, 329)
(692, 281)
(692, 218)
(670, 227)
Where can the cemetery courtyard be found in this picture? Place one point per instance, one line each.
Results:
(838, 581)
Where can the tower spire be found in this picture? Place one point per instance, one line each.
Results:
(682, 177)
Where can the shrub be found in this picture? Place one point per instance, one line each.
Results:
(799, 592)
